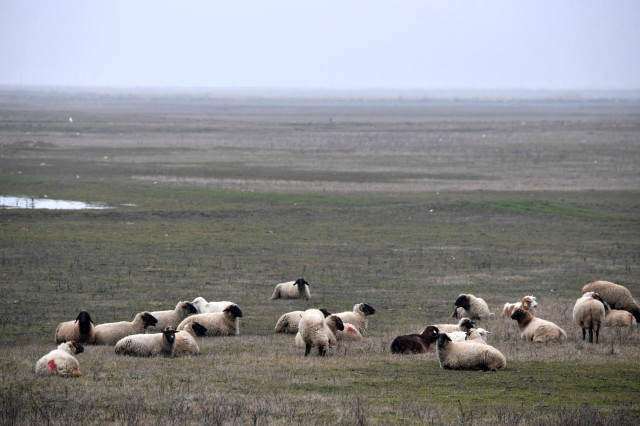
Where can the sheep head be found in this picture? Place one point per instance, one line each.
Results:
(529, 302)
(366, 309)
(169, 335)
(198, 328)
(522, 316)
(431, 333)
(189, 307)
(466, 324)
(463, 302)
(324, 312)
(148, 319)
(75, 347)
(443, 340)
(233, 310)
(338, 322)
(301, 282)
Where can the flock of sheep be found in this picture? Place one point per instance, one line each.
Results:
(458, 346)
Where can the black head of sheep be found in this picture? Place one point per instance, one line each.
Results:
(192, 309)
(463, 302)
(76, 347)
(367, 309)
(148, 320)
(301, 282)
(169, 335)
(339, 323)
(198, 328)
(234, 310)
(466, 324)
(84, 322)
(324, 312)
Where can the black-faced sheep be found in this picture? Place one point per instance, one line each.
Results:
(313, 331)
(172, 318)
(109, 333)
(465, 324)
(617, 296)
(223, 323)
(589, 312)
(186, 343)
(81, 330)
(61, 361)
(147, 345)
(358, 317)
(467, 305)
(468, 356)
(298, 289)
(205, 307)
(415, 343)
(528, 303)
(536, 329)
(288, 323)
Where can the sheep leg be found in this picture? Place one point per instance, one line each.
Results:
(590, 335)
(584, 334)
(307, 349)
(321, 350)
(597, 335)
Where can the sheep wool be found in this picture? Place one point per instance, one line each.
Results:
(61, 361)
(468, 356)
(223, 323)
(619, 318)
(110, 333)
(186, 343)
(467, 305)
(477, 335)
(205, 307)
(415, 343)
(465, 324)
(528, 303)
(288, 323)
(81, 330)
(147, 345)
(334, 326)
(298, 289)
(313, 332)
(536, 329)
(172, 318)
(349, 334)
(617, 296)
(358, 316)
(589, 313)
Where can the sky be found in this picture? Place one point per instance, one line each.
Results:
(327, 44)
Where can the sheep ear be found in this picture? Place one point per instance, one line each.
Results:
(324, 312)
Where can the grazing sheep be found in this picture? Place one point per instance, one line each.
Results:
(186, 343)
(110, 333)
(223, 323)
(173, 317)
(349, 334)
(415, 343)
(528, 303)
(61, 361)
(205, 307)
(334, 326)
(465, 324)
(536, 329)
(313, 331)
(477, 335)
(467, 305)
(358, 317)
(619, 318)
(147, 345)
(589, 312)
(81, 330)
(289, 290)
(468, 356)
(617, 296)
(288, 323)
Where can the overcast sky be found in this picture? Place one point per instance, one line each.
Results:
(348, 44)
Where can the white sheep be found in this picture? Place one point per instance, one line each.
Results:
(465, 324)
(468, 356)
(298, 289)
(477, 335)
(61, 361)
(617, 296)
(528, 303)
(186, 343)
(288, 323)
(457, 336)
(223, 323)
(358, 316)
(81, 330)
(205, 307)
(619, 318)
(147, 345)
(110, 333)
(349, 334)
(589, 312)
(536, 329)
(468, 305)
(313, 331)
(172, 318)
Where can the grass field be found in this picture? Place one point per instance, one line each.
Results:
(403, 204)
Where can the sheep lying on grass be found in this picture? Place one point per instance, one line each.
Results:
(358, 317)
(467, 305)
(536, 329)
(186, 343)
(313, 331)
(477, 335)
(288, 323)
(204, 307)
(468, 356)
(617, 296)
(528, 303)
(349, 334)
(465, 324)
(147, 345)
(81, 330)
(589, 312)
(298, 289)
(172, 318)
(110, 333)
(415, 343)
(223, 323)
(61, 361)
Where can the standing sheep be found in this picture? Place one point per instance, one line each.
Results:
(223, 323)
(288, 323)
(173, 317)
(619, 318)
(358, 317)
(313, 331)
(589, 312)
(61, 361)
(465, 324)
(186, 343)
(110, 333)
(617, 296)
(298, 289)
(147, 345)
(468, 356)
(334, 326)
(205, 307)
(528, 303)
(81, 330)
(536, 329)
(415, 343)
(477, 335)
(467, 305)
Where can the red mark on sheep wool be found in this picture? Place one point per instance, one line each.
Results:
(52, 367)
(351, 330)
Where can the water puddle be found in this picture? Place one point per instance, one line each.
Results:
(9, 202)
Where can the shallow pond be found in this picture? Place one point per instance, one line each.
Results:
(25, 202)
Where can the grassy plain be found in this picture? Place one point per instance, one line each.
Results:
(403, 204)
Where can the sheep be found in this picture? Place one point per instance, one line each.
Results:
(172, 318)
(467, 305)
(465, 324)
(536, 329)
(589, 312)
(288, 323)
(617, 296)
(204, 307)
(349, 334)
(186, 344)
(477, 335)
(110, 333)
(289, 290)
(528, 302)
(619, 318)
(358, 317)
(468, 356)
(313, 331)
(61, 361)
(223, 323)
(81, 330)
(147, 345)
(415, 343)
